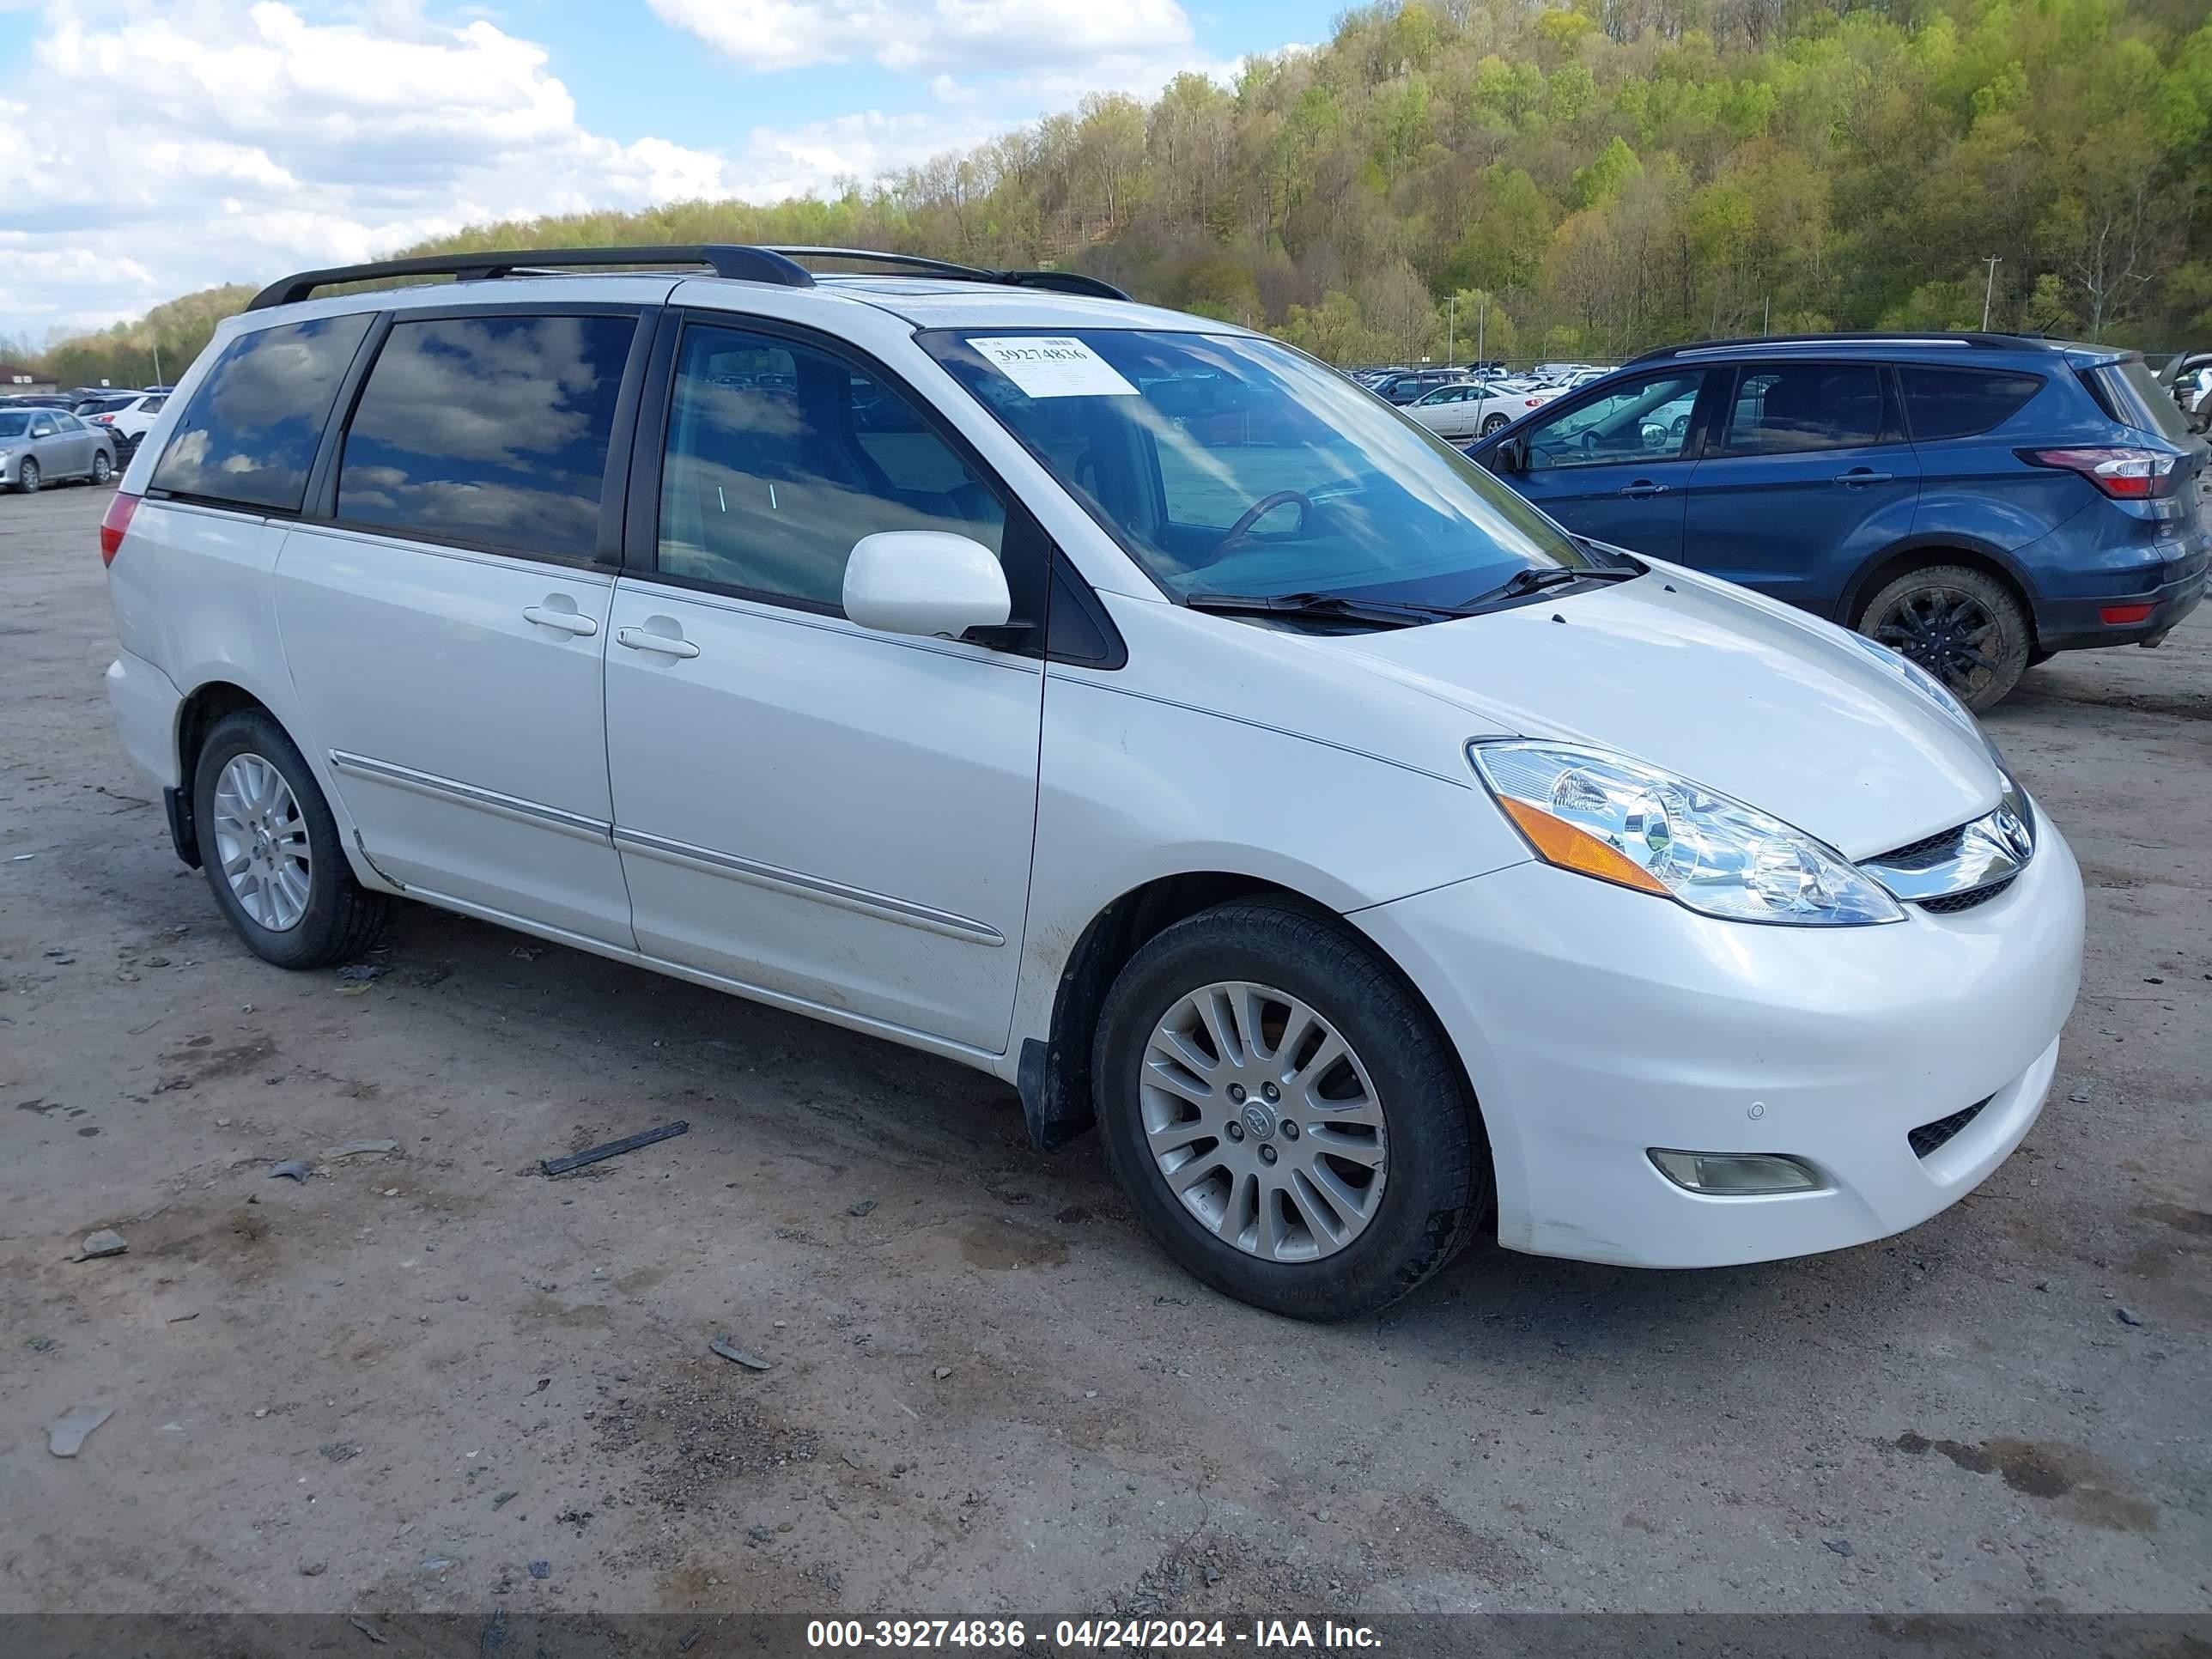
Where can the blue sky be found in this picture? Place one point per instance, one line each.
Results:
(207, 141)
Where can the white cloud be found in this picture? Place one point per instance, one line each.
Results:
(221, 140)
(931, 34)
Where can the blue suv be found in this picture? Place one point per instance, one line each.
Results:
(1977, 501)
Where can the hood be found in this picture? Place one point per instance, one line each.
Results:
(1737, 692)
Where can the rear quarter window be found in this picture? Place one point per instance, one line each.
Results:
(248, 437)
(2138, 400)
(1961, 403)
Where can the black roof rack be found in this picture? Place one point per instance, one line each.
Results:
(1937, 337)
(754, 264)
(1060, 281)
(724, 259)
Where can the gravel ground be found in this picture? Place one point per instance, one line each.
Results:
(401, 1383)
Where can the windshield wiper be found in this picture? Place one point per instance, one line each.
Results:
(1535, 580)
(1332, 607)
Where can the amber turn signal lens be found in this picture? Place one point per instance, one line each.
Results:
(1561, 844)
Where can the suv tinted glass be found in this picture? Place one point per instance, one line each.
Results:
(1782, 407)
(781, 457)
(1958, 403)
(489, 430)
(2140, 401)
(1639, 420)
(249, 434)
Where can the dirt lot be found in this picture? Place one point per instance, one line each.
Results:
(404, 1383)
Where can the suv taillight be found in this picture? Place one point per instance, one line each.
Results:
(113, 523)
(2122, 472)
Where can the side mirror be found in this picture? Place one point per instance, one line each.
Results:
(925, 581)
(1512, 455)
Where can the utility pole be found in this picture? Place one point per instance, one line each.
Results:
(1451, 330)
(1766, 318)
(1482, 328)
(1990, 290)
(157, 363)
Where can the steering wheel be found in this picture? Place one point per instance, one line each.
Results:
(1260, 509)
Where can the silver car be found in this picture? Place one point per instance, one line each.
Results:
(47, 446)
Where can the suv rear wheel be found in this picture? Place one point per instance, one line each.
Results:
(1962, 625)
(270, 848)
(1284, 1115)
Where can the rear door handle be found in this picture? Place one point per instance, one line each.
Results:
(1859, 475)
(569, 622)
(1643, 487)
(639, 639)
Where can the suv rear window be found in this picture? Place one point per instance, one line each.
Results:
(249, 434)
(1958, 403)
(2138, 400)
(489, 430)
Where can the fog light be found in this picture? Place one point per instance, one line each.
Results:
(1736, 1175)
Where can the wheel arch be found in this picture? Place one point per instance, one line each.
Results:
(1918, 552)
(1054, 1075)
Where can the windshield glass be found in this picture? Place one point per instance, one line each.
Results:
(1231, 465)
(14, 425)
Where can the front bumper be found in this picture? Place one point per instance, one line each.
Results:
(1597, 1023)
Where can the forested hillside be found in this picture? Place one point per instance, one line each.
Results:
(1577, 180)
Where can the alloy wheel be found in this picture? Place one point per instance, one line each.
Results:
(27, 476)
(1944, 630)
(102, 468)
(1263, 1121)
(261, 839)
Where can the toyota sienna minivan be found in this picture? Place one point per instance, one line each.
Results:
(1372, 860)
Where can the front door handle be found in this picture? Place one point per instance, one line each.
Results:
(1859, 475)
(639, 639)
(569, 622)
(1643, 487)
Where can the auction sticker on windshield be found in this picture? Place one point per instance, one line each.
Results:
(1052, 366)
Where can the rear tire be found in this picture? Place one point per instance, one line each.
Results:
(1962, 625)
(27, 478)
(1494, 423)
(252, 840)
(102, 469)
(1392, 1190)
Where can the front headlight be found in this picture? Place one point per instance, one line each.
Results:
(1912, 674)
(1604, 815)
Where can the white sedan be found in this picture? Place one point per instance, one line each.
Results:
(1475, 408)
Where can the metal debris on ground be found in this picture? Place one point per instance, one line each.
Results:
(292, 1168)
(541, 1568)
(366, 1630)
(554, 1166)
(106, 1241)
(358, 1149)
(67, 1432)
(862, 1207)
(745, 1356)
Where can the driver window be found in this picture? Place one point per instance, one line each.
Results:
(42, 426)
(1645, 420)
(781, 456)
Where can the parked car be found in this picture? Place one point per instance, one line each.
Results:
(1473, 409)
(2188, 376)
(40, 446)
(129, 416)
(1977, 501)
(1408, 386)
(1366, 856)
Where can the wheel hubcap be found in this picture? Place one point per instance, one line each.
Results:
(261, 838)
(1945, 631)
(1263, 1122)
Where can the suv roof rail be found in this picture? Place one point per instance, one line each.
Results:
(725, 259)
(1871, 337)
(746, 263)
(913, 265)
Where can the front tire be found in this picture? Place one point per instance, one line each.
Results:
(27, 476)
(102, 468)
(1257, 1029)
(270, 848)
(1962, 625)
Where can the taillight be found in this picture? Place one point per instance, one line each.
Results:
(2124, 473)
(103, 420)
(112, 525)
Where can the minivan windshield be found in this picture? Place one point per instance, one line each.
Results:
(1228, 465)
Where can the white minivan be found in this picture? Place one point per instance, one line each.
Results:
(1372, 861)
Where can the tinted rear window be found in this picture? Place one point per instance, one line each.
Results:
(1958, 403)
(249, 434)
(1782, 408)
(489, 430)
(2140, 401)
